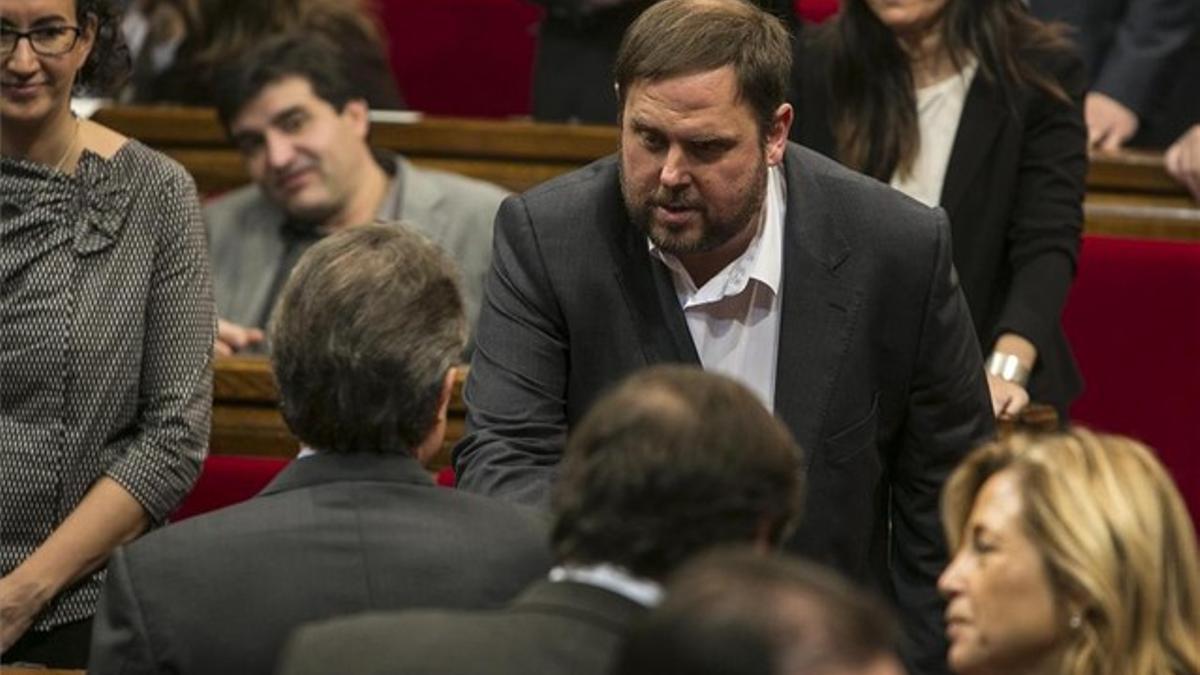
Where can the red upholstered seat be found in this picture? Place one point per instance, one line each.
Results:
(1133, 319)
(226, 480)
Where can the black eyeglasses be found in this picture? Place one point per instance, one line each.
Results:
(45, 40)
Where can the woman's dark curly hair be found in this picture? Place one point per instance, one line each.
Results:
(108, 66)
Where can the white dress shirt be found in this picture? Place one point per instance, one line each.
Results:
(939, 109)
(611, 578)
(734, 318)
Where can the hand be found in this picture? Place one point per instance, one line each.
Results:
(1110, 124)
(20, 603)
(1183, 160)
(232, 338)
(1008, 398)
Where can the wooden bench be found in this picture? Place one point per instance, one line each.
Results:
(1129, 193)
(246, 420)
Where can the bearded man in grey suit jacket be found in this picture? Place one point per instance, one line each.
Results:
(302, 130)
(674, 462)
(365, 337)
(710, 239)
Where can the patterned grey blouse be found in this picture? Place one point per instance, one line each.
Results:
(106, 334)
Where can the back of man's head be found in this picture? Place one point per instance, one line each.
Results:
(739, 612)
(672, 462)
(298, 53)
(362, 338)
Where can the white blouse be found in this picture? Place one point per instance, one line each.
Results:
(939, 109)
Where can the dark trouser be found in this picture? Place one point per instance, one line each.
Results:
(64, 646)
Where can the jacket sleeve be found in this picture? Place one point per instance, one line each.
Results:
(1149, 38)
(516, 390)
(120, 640)
(1046, 222)
(175, 386)
(949, 413)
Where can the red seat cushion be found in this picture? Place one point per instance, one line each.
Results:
(1133, 320)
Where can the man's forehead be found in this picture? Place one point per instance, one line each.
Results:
(290, 92)
(701, 101)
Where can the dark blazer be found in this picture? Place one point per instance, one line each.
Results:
(1014, 194)
(879, 375)
(564, 627)
(1139, 54)
(331, 535)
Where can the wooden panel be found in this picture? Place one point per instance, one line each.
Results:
(247, 421)
(519, 155)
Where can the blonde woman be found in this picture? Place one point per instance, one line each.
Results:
(1074, 554)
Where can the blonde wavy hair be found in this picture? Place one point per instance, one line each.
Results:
(1116, 540)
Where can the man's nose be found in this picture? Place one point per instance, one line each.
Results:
(675, 171)
(279, 150)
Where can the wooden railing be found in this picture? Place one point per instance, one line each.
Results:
(1128, 194)
(246, 418)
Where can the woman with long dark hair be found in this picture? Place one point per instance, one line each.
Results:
(974, 106)
(106, 329)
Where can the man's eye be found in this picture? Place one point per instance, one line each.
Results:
(292, 124)
(50, 32)
(249, 146)
(652, 141)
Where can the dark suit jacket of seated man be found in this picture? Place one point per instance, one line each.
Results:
(877, 372)
(673, 463)
(357, 526)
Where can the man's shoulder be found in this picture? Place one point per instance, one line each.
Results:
(595, 180)
(243, 206)
(856, 204)
(458, 183)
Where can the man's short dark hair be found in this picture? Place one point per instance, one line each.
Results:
(739, 612)
(672, 462)
(682, 37)
(362, 337)
(298, 53)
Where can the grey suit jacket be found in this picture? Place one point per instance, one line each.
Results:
(564, 627)
(248, 246)
(879, 378)
(331, 535)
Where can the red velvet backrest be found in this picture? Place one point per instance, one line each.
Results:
(1133, 320)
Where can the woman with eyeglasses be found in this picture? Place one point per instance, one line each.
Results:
(106, 329)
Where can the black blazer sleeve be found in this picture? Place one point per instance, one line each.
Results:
(1046, 221)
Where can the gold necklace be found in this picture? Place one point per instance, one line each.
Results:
(70, 146)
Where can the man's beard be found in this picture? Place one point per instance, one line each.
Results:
(714, 231)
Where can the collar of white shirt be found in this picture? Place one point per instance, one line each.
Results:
(611, 578)
(762, 260)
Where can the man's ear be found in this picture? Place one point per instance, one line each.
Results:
(431, 445)
(777, 135)
(357, 114)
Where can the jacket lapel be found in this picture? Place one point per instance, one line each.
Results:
(983, 115)
(819, 304)
(646, 284)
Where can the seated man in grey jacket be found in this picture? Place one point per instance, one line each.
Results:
(302, 131)
(364, 338)
(675, 461)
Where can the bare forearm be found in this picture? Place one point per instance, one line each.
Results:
(107, 517)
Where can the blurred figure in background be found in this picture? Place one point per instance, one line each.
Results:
(1074, 555)
(1142, 69)
(185, 41)
(974, 106)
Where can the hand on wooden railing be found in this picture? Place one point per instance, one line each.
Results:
(1183, 161)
